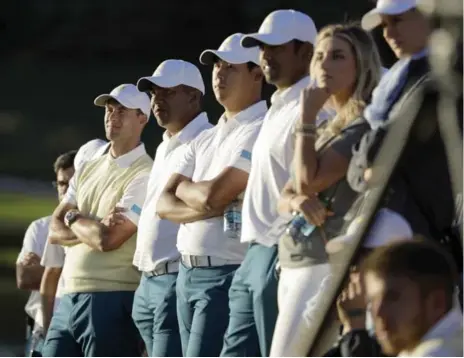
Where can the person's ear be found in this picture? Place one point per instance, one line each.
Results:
(257, 74)
(306, 51)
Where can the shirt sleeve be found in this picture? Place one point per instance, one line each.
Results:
(134, 197)
(240, 158)
(33, 241)
(186, 165)
(70, 196)
(53, 255)
(351, 136)
(97, 149)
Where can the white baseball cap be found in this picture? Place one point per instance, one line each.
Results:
(282, 26)
(172, 73)
(129, 96)
(232, 52)
(386, 7)
(388, 226)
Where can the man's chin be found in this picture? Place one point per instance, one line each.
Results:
(272, 78)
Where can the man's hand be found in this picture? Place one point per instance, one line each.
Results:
(115, 217)
(30, 259)
(351, 305)
(311, 207)
(29, 272)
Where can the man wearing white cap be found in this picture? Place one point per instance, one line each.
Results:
(285, 41)
(94, 315)
(210, 178)
(176, 88)
(406, 30)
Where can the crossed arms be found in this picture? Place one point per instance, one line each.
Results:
(184, 201)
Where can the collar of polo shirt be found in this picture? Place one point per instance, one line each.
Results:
(126, 160)
(190, 130)
(291, 93)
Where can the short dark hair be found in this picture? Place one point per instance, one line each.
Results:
(297, 44)
(251, 65)
(65, 161)
(420, 260)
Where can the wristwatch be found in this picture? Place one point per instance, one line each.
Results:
(70, 217)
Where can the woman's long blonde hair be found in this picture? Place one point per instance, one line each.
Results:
(368, 72)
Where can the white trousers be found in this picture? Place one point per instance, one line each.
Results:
(299, 289)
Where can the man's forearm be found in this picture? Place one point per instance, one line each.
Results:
(48, 289)
(172, 208)
(60, 234)
(90, 232)
(194, 195)
(305, 163)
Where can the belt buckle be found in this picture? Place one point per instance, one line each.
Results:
(196, 261)
(188, 260)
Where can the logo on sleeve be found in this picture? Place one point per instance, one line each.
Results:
(136, 209)
(245, 154)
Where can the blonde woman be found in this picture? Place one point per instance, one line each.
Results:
(346, 68)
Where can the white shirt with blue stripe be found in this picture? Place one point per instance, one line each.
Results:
(156, 238)
(228, 144)
(271, 163)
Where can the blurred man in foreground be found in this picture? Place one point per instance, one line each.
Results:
(411, 287)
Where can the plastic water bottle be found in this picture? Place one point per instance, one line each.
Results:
(233, 220)
(299, 229)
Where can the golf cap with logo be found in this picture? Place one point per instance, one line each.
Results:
(172, 73)
(129, 96)
(282, 26)
(232, 52)
(388, 227)
(385, 7)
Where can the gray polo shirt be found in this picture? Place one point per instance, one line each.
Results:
(311, 252)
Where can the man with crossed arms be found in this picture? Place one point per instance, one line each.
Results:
(176, 89)
(211, 175)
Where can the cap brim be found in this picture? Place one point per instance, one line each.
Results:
(101, 100)
(257, 39)
(146, 83)
(208, 57)
(371, 20)
(338, 244)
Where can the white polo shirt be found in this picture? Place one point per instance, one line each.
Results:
(270, 168)
(34, 241)
(228, 144)
(156, 239)
(54, 256)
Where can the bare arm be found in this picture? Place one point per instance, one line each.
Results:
(213, 194)
(172, 208)
(101, 237)
(29, 272)
(59, 233)
(316, 172)
(48, 288)
(284, 204)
